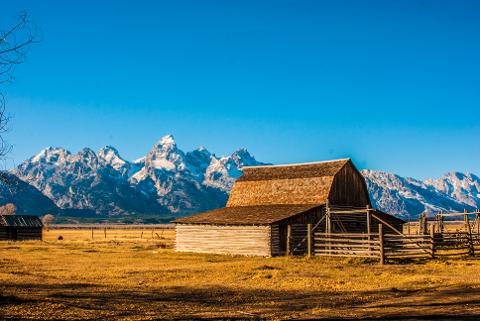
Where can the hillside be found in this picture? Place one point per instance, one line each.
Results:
(27, 198)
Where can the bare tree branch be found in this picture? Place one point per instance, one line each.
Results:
(14, 44)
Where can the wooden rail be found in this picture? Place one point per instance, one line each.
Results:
(343, 244)
(408, 246)
(392, 246)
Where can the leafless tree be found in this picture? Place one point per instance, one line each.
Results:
(47, 220)
(14, 44)
(8, 209)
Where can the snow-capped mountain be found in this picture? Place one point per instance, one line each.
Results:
(463, 187)
(166, 180)
(408, 197)
(170, 181)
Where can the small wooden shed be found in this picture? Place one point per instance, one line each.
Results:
(20, 227)
(270, 204)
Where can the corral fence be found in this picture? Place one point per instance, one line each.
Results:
(386, 242)
(374, 245)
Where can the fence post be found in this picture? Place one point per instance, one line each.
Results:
(423, 224)
(289, 235)
(432, 236)
(465, 220)
(420, 223)
(369, 237)
(328, 225)
(381, 241)
(471, 250)
(477, 218)
(441, 224)
(92, 233)
(309, 239)
(328, 218)
(105, 231)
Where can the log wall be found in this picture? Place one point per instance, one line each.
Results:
(276, 247)
(224, 239)
(20, 233)
(4, 233)
(298, 223)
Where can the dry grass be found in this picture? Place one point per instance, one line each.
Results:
(125, 277)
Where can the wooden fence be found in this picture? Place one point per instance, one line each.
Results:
(395, 246)
(348, 245)
(408, 246)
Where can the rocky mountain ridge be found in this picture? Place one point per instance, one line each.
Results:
(166, 180)
(169, 181)
(408, 197)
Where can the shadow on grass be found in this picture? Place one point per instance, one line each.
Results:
(221, 303)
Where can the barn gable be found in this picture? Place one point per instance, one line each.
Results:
(349, 187)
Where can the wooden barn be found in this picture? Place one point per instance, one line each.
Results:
(271, 208)
(20, 227)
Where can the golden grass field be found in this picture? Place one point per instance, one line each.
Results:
(125, 277)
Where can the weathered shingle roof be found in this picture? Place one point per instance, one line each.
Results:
(246, 215)
(306, 170)
(20, 220)
(301, 184)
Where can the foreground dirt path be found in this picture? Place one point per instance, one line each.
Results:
(76, 279)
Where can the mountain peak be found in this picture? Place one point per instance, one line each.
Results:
(107, 149)
(242, 157)
(199, 158)
(109, 155)
(87, 151)
(51, 154)
(165, 155)
(241, 151)
(167, 140)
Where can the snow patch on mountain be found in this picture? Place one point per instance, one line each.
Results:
(166, 180)
(408, 197)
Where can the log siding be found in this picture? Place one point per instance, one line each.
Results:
(224, 239)
(275, 241)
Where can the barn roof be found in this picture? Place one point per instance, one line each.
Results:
(290, 171)
(246, 215)
(20, 220)
(308, 183)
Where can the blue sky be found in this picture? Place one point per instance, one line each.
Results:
(393, 84)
